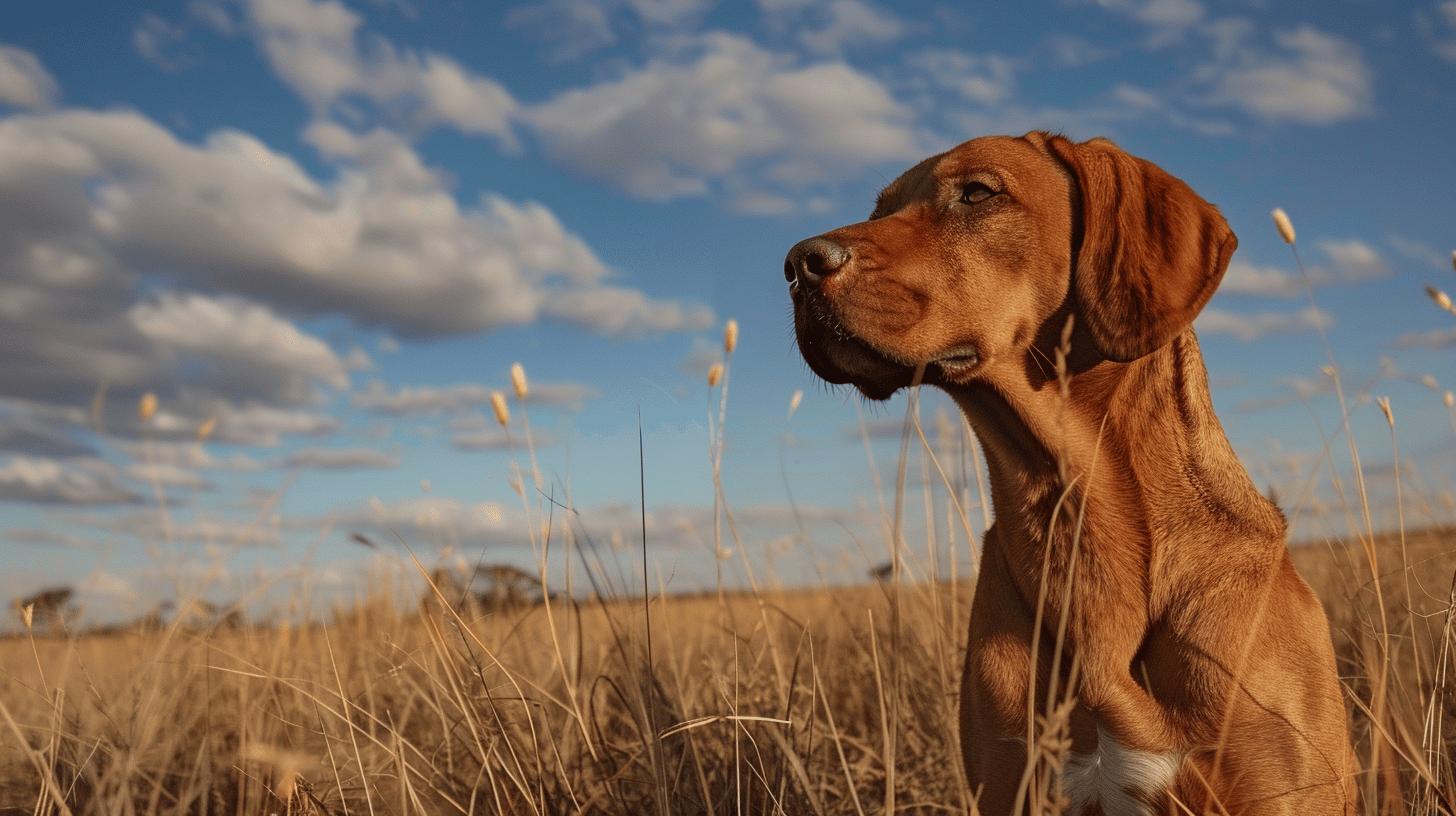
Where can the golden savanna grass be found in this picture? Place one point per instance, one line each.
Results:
(628, 700)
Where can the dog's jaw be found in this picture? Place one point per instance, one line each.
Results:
(839, 357)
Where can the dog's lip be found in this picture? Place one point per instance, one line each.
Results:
(958, 358)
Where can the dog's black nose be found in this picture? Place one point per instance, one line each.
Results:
(813, 259)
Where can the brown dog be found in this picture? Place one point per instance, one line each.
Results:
(1201, 663)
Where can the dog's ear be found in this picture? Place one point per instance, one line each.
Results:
(1149, 251)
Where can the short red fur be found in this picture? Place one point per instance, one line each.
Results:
(1194, 640)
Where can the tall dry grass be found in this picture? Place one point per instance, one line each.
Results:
(606, 699)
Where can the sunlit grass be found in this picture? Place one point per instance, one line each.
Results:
(598, 698)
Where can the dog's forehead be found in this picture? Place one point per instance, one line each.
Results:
(991, 153)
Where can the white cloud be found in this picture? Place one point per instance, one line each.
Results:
(985, 79)
(200, 529)
(108, 584)
(829, 27)
(24, 81)
(1313, 78)
(49, 538)
(55, 481)
(167, 474)
(1433, 339)
(1246, 278)
(620, 312)
(1439, 29)
(1352, 259)
(242, 340)
(264, 425)
(576, 28)
(719, 108)
(1254, 325)
(315, 48)
(188, 455)
(160, 42)
(496, 440)
(1346, 261)
(213, 16)
(449, 522)
(1421, 252)
(22, 431)
(376, 396)
(340, 459)
(384, 242)
(1167, 17)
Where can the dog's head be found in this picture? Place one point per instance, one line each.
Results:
(970, 255)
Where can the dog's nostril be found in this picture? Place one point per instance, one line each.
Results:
(813, 259)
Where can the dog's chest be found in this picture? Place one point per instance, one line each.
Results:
(1124, 782)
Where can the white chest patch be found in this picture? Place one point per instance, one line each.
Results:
(1115, 776)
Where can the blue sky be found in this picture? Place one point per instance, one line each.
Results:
(328, 229)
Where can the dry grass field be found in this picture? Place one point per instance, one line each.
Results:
(601, 699)
(816, 701)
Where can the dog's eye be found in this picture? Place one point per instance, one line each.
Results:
(975, 192)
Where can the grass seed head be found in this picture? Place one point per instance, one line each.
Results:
(715, 373)
(1442, 299)
(27, 614)
(147, 407)
(1449, 399)
(204, 431)
(1281, 222)
(502, 411)
(1429, 381)
(794, 401)
(730, 336)
(518, 381)
(1384, 403)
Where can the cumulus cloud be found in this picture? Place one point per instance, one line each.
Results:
(720, 109)
(1433, 339)
(828, 27)
(621, 312)
(1166, 18)
(1422, 252)
(167, 474)
(24, 432)
(316, 49)
(93, 205)
(1345, 261)
(575, 28)
(161, 42)
(1439, 28)
(496, 439)
(340, 459)
(1312, 77)
(1254, 325)
(262, 425)
(454, 523)
(188, 455)
(241, 340)
(24, 81)
(984, 79)
(197, 529)
(379, 398)
(55, 481)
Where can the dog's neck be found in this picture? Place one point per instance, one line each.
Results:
(1131, 451)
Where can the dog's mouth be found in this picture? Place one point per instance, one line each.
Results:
(839, 356)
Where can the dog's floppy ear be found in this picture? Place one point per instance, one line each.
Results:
(1150, 254)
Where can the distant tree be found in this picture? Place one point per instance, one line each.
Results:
(46, 608)
(487, 588)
